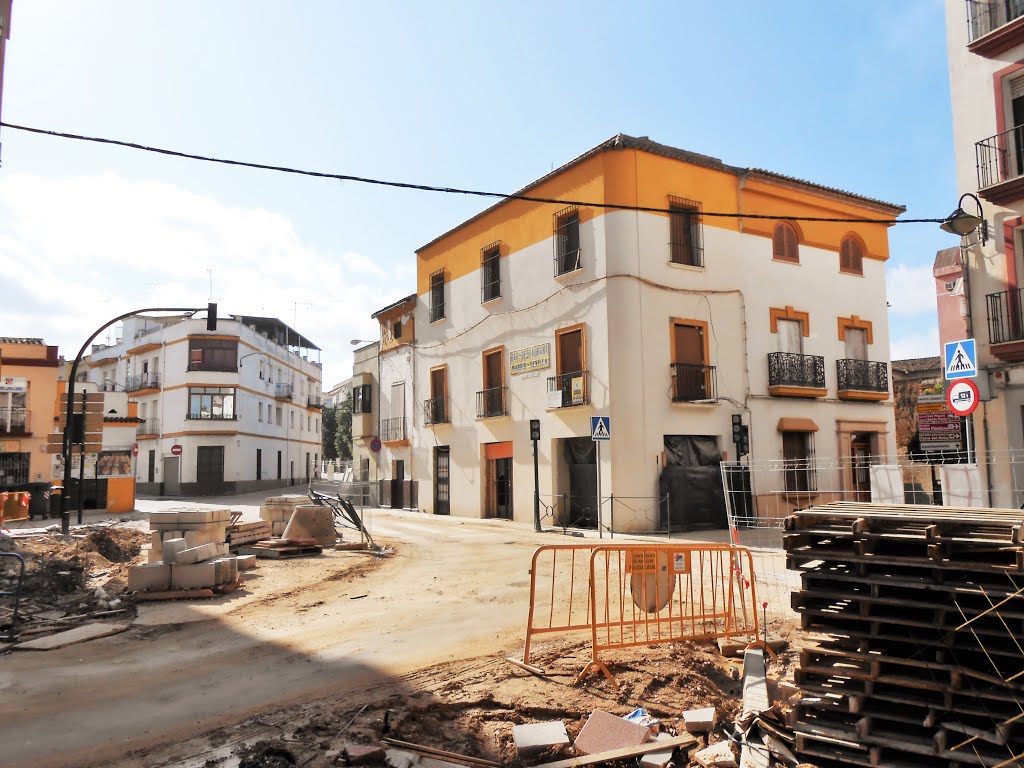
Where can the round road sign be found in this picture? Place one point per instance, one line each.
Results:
(962, 397)
(176, 450)
(375, 445)
(135, 449)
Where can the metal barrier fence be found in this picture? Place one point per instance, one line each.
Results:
(628, 595)
(607, 515)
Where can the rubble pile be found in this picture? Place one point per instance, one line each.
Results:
(189, 555)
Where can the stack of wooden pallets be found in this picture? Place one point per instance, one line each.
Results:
(921, 614)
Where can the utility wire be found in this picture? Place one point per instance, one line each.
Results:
(446, 190)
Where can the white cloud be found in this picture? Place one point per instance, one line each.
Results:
(910, 290)
(921, 343)
(78, 251)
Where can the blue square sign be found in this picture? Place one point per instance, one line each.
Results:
(961, 360)
(600, 428)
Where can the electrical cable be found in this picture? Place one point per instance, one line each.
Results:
(449, 190)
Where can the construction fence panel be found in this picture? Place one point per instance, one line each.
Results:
(607, 515)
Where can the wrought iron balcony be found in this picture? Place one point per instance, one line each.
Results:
(392, 430)
(283, 391)
(207, 416)
(15, 421)
(866, 375)
(148, 427)
(314, 401)
(1005, 318)
(692, 382)
(569, 389)
(142, 381)
(795, 375)
(984, 16)
(492, 402)
(1000, 160)
(435, 410)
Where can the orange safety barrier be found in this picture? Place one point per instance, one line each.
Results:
(644, 594)
(14, 506)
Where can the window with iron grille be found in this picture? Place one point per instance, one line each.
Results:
(437, 295)
(851, 256)
(685, 240)
(567, 241)
(490, 272)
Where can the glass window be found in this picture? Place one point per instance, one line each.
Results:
(211, 403)
(212, 355)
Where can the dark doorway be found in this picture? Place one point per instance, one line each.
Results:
(172, 476)
(691, 481)
(860, 466)
(397, 481)
(1017, 107)
(307, 467)
(502, 484)
(278, 465)
(580, 456)
(442, 480)
(151, 469)
(210, 470)
(259, 463)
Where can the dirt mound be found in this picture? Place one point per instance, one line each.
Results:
(118, 545)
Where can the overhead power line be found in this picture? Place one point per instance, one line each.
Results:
(446, 190)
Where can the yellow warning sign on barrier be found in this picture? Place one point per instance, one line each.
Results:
(641, 562)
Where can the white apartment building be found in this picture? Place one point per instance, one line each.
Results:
(668, 321)
(231, 410)
(986, 75)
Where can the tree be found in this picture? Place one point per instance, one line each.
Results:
(343, 435)
(329, 433)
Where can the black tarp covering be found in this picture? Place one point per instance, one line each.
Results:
(692, 480)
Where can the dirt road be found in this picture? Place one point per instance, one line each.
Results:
(453, 589)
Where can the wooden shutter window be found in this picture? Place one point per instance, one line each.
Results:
(785, 243)
(851, 259)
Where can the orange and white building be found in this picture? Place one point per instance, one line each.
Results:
(669, 321)
(28, 391)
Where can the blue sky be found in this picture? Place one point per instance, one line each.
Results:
(477, 95)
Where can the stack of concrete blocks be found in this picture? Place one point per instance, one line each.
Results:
(188, 551)
(277, 510)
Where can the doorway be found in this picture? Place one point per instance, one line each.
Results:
(580, 457)
(210, 470)
(499, 480)
(442, 480)
(689, 374)
(690, 485)
(172, 476)
(259, 463)
(571, 366)
(860, 466)
(397, 482)
(151, 469)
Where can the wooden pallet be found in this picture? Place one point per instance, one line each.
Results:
(280, 551)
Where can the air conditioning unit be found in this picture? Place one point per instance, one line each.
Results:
(951, 286)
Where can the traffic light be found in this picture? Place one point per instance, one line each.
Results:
(211, 316)
(740, 435)
(535, 429)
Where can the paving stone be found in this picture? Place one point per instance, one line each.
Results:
(718, 755)
(362, 754)
(658, 759)
(196, 554)
(246, 562)
(163, 518)
(156, 539)
(196, 538)
(154, 577)
(171, 549)
(196, 516)
(312, 521)
(195, 576)
(154, 555)
(532, 738)
(604, 732)
(699, 720)
(223, 570)
(755, 683)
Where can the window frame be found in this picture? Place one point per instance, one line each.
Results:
(795, 468)
(361, 402)
(849, 269)
(490, 281)
(226, 395)
(566, 233)
(686, 232)
(437, 296)
(785, 257)
(212, 354)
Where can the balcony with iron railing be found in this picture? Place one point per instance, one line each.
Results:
(1000, 163)
(994, 26)
(211, 416)
(569, 389)
(283, 391)
(15, 421)
(492, 402)
(862, 379)
(435, 410)
(314, 401)
(796, 375)
(693, 382)
(393, 430)
(1005, 313)
(148, 428)
(142, 381)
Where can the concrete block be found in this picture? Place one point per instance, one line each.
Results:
(195, 516)
(658, 759)
(196, 538)
(172, 548)
(155, 577)
(156, 540)
(718, 755)
(194, 576)
(222, 570)
(223, 516)
(533, 738)
(700, 720)
(174, 534)
(361, 754)
(277, 528)
(163, 518)
(755, 683)
(196, 554)
(234, 569)
(311, 521)
(154, 555)
(246, 562)
(604, 732)
(223, 550)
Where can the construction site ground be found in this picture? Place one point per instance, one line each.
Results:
(317, 652)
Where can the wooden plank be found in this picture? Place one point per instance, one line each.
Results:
(683, 741)
(440, 753)
(72, 636)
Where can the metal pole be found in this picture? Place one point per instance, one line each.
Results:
(668, 513)
(600, 530)
(536, 490)
(81, 464)
(970, 439)
(611, 504)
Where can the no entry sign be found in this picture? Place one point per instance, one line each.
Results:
(962, 397)
(176, 450)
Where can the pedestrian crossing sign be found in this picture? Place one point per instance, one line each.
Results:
(600, 428)
(961, 360)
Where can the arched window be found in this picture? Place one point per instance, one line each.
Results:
(785, 243)
(851, 256)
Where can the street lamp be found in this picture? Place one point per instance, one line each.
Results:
(959, 222)
(360, 341)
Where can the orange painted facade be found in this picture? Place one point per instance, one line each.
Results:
(29, 368)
